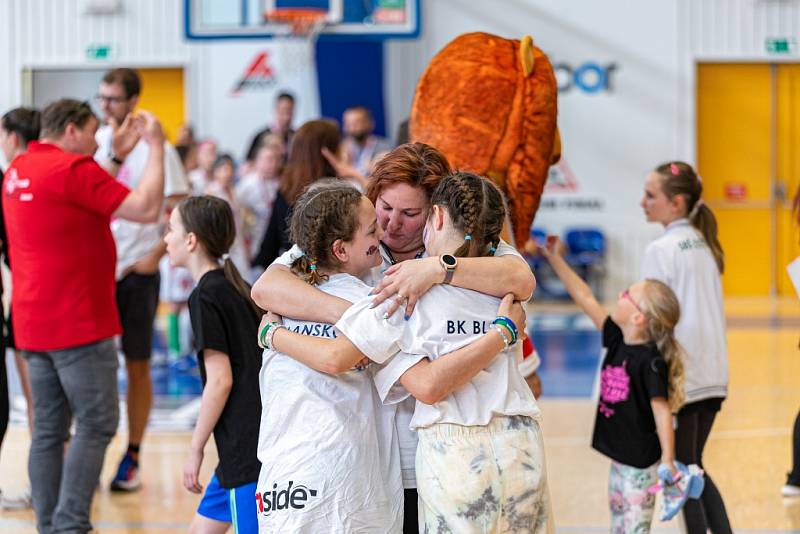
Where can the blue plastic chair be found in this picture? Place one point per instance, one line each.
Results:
(586, 251)
(586, 246)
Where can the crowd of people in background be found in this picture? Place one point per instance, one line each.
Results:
(357, 252)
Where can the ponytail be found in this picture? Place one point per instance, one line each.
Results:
(673, 354)
(211, 220)
(233, 276)
(679, 178)
(662, 310)
(703, 219)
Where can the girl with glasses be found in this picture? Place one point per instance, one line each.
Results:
(641, 385)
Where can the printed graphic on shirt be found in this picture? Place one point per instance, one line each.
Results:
(692, 244)
(14, 183)
(312, 329)
(294, 495)
(614, 387)
(468, 327)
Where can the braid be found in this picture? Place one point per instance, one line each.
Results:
(476, 207)
(469, 216)
(326, 211)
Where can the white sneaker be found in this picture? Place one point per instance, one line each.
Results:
(21, 501)
(790, 490)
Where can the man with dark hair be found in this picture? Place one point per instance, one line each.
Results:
(18, 127)
(58, 206)
(362, 148)
(139, 250)
(281, 125)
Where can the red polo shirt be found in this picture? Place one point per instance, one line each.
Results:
(57, 208)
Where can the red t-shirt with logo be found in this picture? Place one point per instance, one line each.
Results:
(57, 207)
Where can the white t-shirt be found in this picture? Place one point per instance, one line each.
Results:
(682, 260)
(445, 319)
(329, 435)
(257, 196)
(407, 437)
(135, 240)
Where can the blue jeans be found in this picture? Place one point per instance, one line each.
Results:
(79, 382)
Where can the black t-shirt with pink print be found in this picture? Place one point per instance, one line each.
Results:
(625, 429)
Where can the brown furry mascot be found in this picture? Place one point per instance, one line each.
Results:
(489, 104)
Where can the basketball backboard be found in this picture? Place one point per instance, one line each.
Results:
(246, 19)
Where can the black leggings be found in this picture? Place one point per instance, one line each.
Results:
(794, 475)
(694, 425)
(410, 512)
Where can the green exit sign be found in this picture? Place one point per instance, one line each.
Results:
(99, 52)
(783, 45)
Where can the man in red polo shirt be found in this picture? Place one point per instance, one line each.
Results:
(58, 203)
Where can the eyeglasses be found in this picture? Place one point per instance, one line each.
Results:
(627, 295)
(111, 99)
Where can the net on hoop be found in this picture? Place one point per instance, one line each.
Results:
(304, 22)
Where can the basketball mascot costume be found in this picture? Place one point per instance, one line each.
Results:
(489, 104)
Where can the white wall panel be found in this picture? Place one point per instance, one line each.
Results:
(58, 33)
(611, 139)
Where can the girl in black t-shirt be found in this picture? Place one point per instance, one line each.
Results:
(641, 386)
(225, 323)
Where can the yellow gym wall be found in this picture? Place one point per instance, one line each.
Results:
(744, 136)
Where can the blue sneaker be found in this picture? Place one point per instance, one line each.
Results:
(687, 484)
(127, 478)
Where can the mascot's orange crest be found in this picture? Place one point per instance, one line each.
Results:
(490, 105)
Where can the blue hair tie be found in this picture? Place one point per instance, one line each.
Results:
(468, 237)
(313, 267)
(492, 250)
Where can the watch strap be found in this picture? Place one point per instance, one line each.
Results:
(114, 159)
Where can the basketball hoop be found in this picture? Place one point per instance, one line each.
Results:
(304, 22)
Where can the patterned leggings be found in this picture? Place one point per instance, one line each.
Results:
(630, 504)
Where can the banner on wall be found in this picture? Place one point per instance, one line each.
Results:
(563, 193)
(239, 84)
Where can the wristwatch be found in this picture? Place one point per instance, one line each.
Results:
(449, 264)
(114, 159)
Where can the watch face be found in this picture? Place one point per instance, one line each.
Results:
(449, 260)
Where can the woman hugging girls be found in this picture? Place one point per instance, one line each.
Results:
(641, 386)
(480, 460)
(225, 320)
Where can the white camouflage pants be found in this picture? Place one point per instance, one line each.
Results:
(483, 479)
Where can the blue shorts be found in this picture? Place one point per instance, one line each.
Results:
(236, 506)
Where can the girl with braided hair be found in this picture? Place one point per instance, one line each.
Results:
(480, 459)
(326, 445)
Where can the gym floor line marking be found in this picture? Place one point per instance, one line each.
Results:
(102, 525)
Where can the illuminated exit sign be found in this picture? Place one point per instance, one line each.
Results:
(99, 52)
(783, 45)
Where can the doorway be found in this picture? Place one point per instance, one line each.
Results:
(162, 91)
(748, 155)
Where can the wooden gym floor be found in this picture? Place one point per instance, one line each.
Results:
(748, 452)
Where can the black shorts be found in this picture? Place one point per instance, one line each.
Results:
(137, 301)
(8, 329)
